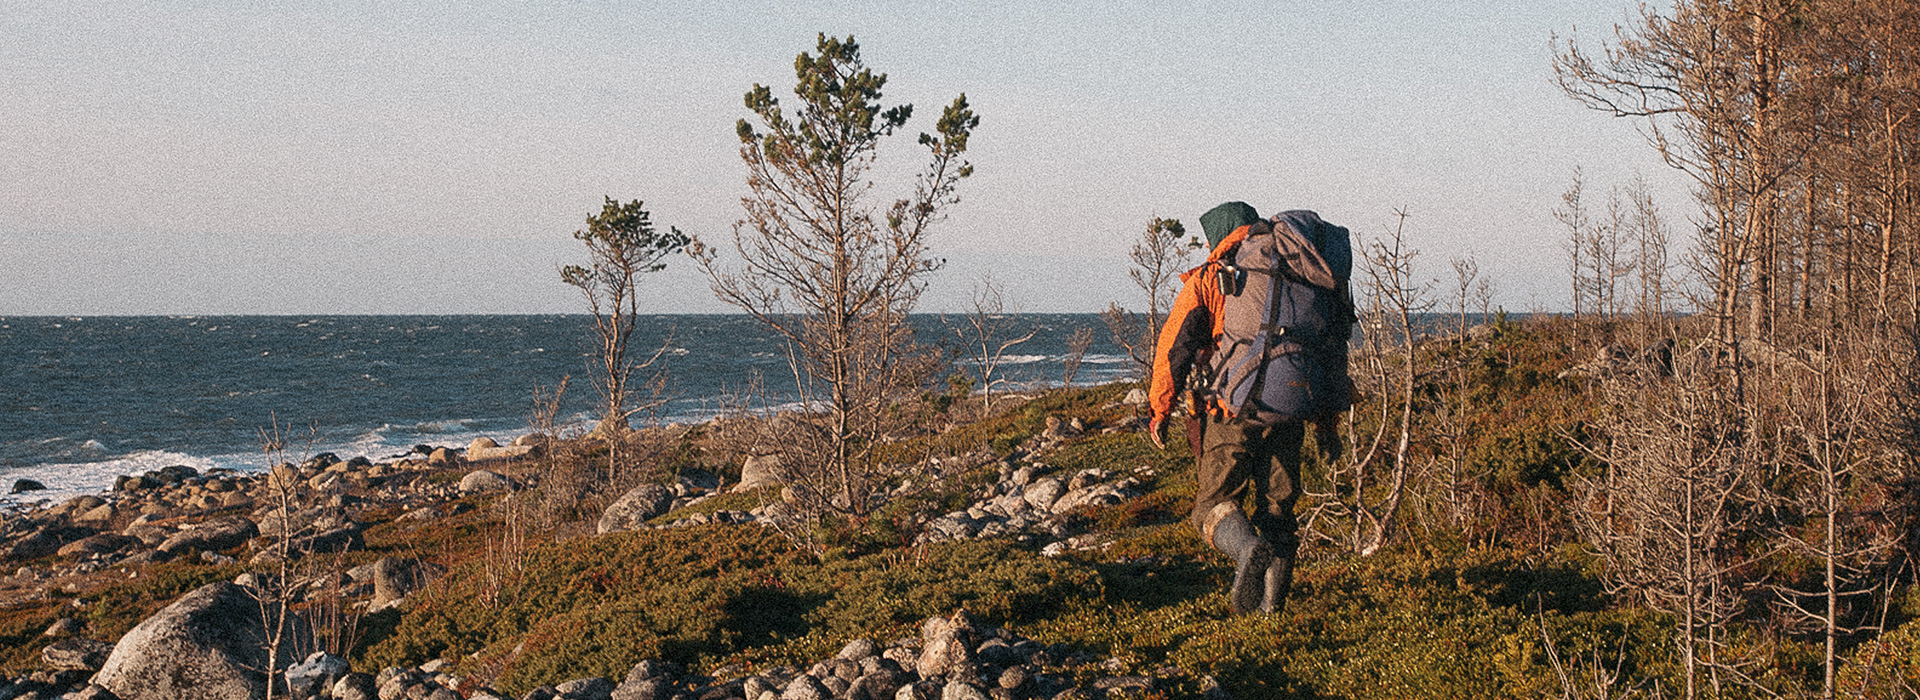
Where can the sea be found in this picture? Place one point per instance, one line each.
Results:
(86, 399)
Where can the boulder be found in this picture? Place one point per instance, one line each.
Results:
(44, 541)
(64, 627)
(207, 645)
(394, 579)
(97, 516)
(176, 473)
(212, 535)
(319, 670)
(76, 654)
(103, 543)
(78, 505)
(759, 471)
(480, 443)
(948, 643)
(1041, 494)
(481, 454)
(135, 482)
(697, 480)
(339, 539)
(442, 457)
(355, 686)
(634, 509)
(483, 481)
(586, 689)
(25, 485)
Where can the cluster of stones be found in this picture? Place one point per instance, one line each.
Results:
(156, 516)
(954, 658)
(1027, 502)
(210, 643)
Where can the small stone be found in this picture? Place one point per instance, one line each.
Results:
(646, 688)
(76, 653)
(355, 686)
(844, 669)
(962, 690)
(1015, 677)
(586, 688)
(63, 627)
(483, 481)
(857, 649)
(805, 688)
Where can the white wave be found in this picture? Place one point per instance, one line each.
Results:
(65, 480)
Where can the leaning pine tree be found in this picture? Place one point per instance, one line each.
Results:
(827, 270)
(622, 245)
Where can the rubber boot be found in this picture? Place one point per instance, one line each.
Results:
(1235, 537)
(1279, 580)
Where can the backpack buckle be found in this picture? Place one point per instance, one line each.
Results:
(1232, 280)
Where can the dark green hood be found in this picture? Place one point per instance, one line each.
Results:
(1222, 220)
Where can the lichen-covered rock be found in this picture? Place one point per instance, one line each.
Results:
(76, 653)
(634, 509)
(483, 481)
(759, 471)
(319, 670)
(209, 644)
(395, 578)
(212, 535)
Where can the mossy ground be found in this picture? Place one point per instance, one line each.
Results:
(1508, 604)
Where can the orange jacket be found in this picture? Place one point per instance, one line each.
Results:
(1191, 330)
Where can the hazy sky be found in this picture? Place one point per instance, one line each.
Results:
(381, 157)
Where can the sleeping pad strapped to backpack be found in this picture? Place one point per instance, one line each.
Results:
(1282, 348)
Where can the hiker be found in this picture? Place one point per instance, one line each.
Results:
(1257, 339)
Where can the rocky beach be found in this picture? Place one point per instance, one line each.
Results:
(212, 642)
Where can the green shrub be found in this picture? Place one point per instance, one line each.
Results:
(595, 606)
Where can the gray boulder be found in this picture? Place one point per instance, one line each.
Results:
(25, 485)
(962, 690)
(355, 686)
(643, 689)
(635, 508)
(103, 543)
(759, 471)
(394, 579)
(76, 654)
(212, 535)
(483, 481)
(1041, 494)
(319, 670)
(208, 645)
(44, 541)
(586, 689)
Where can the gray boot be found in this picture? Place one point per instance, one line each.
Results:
(1235, 537)
(1279, 580)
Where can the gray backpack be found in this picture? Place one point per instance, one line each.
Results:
(1282, 353)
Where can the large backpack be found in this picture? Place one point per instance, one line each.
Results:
(1282, 351)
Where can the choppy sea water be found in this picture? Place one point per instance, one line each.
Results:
(83, 400)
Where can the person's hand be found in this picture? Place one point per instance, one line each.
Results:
(1326, 435)
(1156, 431)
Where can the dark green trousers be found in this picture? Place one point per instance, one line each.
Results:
(1241, 459)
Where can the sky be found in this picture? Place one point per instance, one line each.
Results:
(424, 158)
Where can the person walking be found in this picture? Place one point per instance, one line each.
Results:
(1257, 339)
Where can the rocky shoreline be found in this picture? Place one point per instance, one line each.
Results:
(316, 507)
